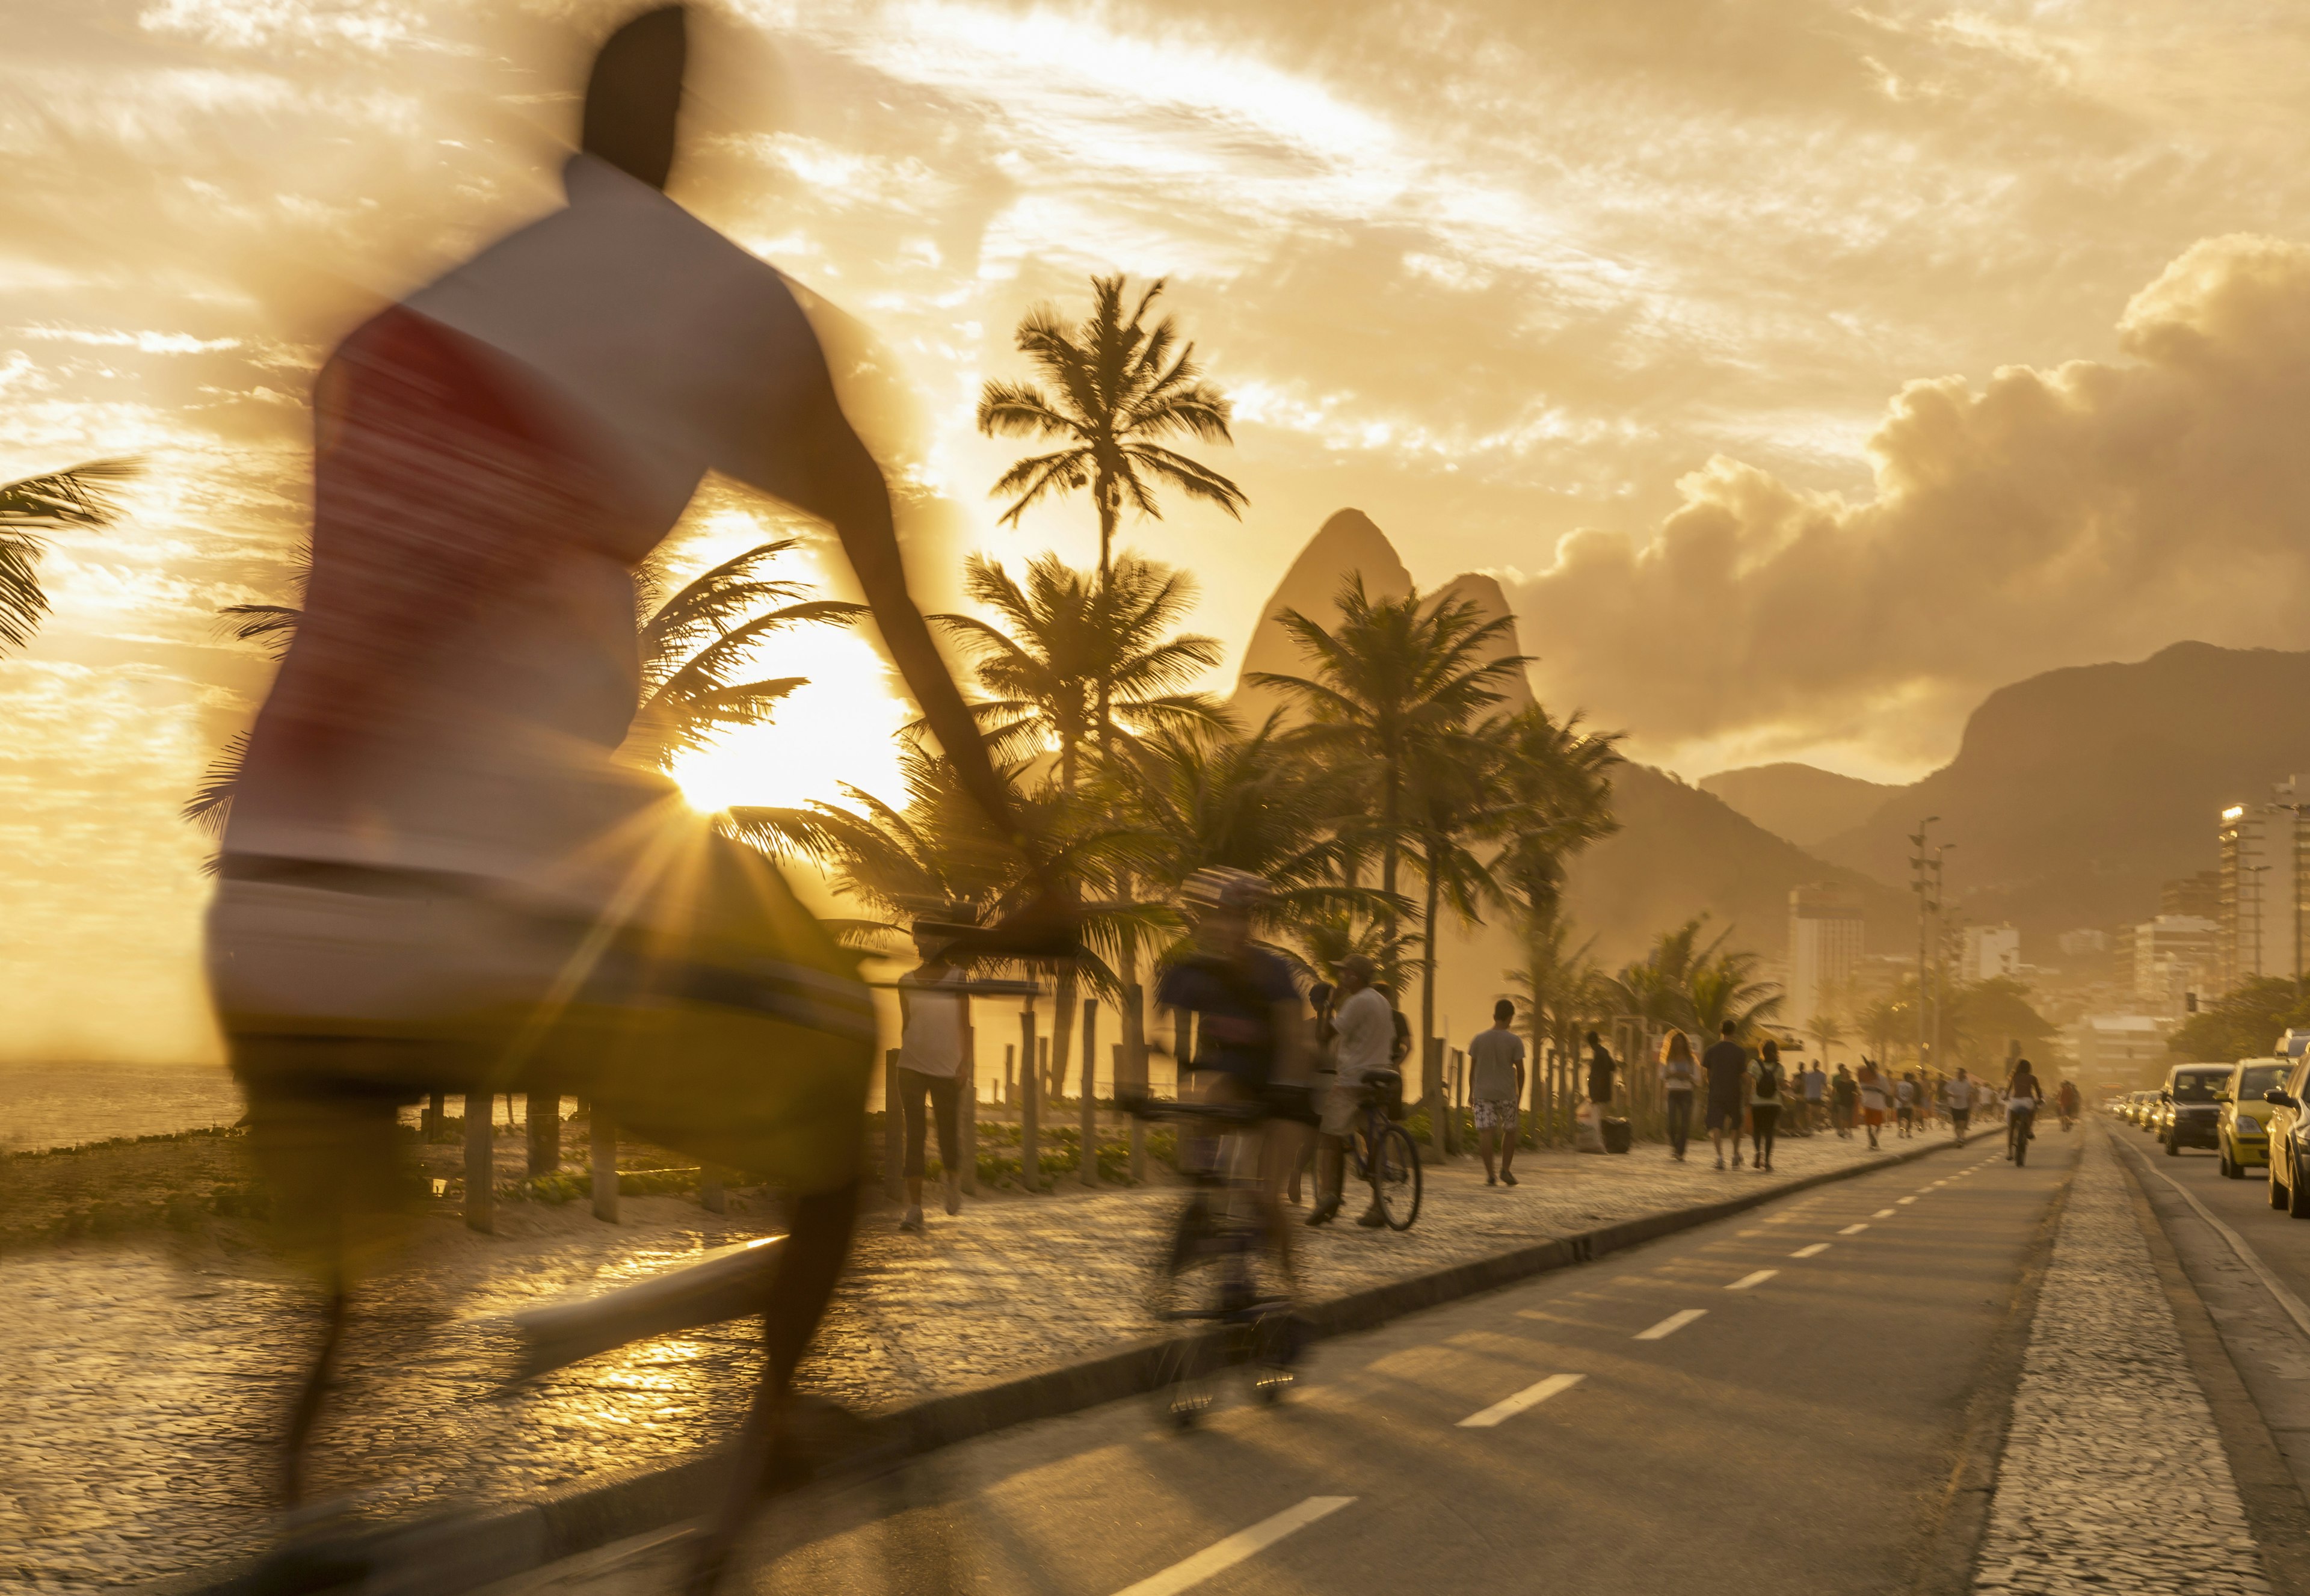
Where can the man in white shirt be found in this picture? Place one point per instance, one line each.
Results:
(1960, 1097)
(1364, 1030)
(931, 1030)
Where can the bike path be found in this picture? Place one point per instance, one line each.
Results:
(1781, 1396)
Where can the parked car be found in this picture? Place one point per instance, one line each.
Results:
(2188, 1112)
(2129, 1108)
(2145, 1111)
(2245, 1114)
(2290, 1189)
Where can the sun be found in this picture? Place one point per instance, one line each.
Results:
(841, 729)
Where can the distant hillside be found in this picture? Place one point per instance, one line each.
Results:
(1801, 802)
(1681, 852)
(2076, 793)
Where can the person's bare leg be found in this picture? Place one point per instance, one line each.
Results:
(818, 1244)
(306, 1410)
(1509, 1147)
(1484, 1139)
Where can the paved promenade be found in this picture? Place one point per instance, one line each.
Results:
(147, 1377)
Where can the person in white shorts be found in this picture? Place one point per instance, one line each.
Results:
(1494, 1088)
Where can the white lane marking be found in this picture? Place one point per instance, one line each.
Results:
(1747, 1282)
(1853, 1230)
(2293, 1304)
(1814, 1251)
(1905, 1200)
(1531, 1396)
(1223, 1555)
(1882, 1213)
(1672, 1324)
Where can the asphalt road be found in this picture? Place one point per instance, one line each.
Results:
(1775, 1400)
(2246, 1259)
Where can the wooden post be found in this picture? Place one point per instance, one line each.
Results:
(1134, 1055)
(1010, 1075)
(605, 1163)
(436, 1115)
(1044, 1085)
(1031, 1084)
(1087, 1116)
(545, 1130)
(481, 1163)
(968, 1129)
(1440, 1096)
(894, 1129)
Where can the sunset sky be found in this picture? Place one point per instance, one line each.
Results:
(1804, 370)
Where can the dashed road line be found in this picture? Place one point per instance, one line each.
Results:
(1814, 1251)
(1531, 1396)
(1904, 1199)
(1882, 1213)
(1223, 1555)
(1747, 1282)
(1672, 1324)
(1853, 1229)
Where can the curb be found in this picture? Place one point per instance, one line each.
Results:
(463, 1551)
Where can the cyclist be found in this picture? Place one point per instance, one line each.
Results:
(1363, 1023)
(436, 874)
(2022, 1096)
(1251, 1028)
(2065, 1099)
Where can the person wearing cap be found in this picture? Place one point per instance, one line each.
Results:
(931, 1039)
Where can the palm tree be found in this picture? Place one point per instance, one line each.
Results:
(1116, 386)
(1724, 987)
(1070, 659)
(1888, 1021)
(690, 645)
(696, 642)
(1826, 1031)
(29, 509)
(1392, 680)
(1559, 983)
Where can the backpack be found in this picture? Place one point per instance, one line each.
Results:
(1769, 1080)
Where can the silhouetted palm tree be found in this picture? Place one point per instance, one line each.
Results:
(1068, 660)
(694, 642)
(1115, 386)
(1392, 680)
(30, 510)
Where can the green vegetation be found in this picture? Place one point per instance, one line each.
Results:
(2242, 1024)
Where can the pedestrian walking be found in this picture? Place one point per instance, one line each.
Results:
(930, 1030)
(1726, 1066)
(1323, 1066)
(1814, 1083)
(1679, 1077)
(1844, 1102)
(1600, 1071)
(1494, 1088)
(1905, 1104)
(1875, 1095)
(1961, 1092)
(1765, 1094)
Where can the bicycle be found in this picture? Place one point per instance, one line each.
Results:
(2019, 1128)
(1383, 1152)
(1244, 1317)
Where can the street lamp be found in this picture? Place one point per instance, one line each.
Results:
(1917, 865)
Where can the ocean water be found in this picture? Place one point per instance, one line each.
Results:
(44, 1106)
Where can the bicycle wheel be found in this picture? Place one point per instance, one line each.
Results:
(1396, 1177)
(1186, 1368)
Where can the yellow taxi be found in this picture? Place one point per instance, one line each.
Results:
(2245, 1142)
